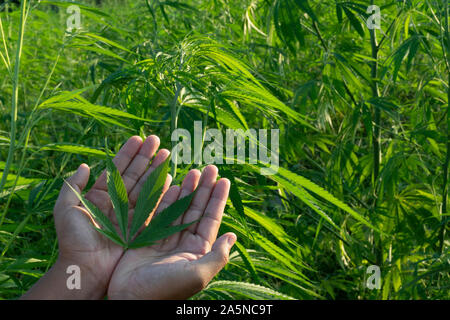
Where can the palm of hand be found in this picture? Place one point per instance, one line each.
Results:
(79, 242)
(175, 268)
(181, 265)
(157, 272)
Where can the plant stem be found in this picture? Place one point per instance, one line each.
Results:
(25, 137)
(15, 97)
(376, 135)
(445, 173)
(174, 111)
(445, 47)
(173, 125)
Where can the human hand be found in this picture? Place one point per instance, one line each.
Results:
(79, 243)
(183, 264)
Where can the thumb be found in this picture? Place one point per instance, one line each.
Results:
(67, 198)
(217, 258)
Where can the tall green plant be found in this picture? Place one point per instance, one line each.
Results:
(15, 92)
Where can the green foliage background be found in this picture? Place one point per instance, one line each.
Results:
(363, 116)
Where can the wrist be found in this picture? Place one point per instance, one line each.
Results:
(80, 280)
(67, 280)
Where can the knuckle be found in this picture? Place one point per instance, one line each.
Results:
(133, 176)
(204, 248)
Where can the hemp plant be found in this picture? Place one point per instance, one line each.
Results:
(130, 235)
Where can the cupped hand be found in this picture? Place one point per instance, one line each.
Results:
(183, 264)
(79, 243)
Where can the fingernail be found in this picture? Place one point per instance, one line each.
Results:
(232, 239)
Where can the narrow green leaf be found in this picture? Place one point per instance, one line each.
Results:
(160, 226)
(290, 179)
(75, 149)
(95, 212)
(171, 213)
(339, 12)
(248, 290)
(149, 196)
(114, 237)
(354, 21)
(149, 236)
(235, 196)
(118, 195)
(107, 41)
(247, 261)
(66, 4)
(304, 5)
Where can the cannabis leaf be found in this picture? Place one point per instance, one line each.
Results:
(159, 227)
(127, 234)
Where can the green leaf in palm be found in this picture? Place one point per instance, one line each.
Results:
(136, 234)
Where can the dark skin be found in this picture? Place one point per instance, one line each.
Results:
(174, 268)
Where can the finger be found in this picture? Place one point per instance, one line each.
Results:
(121, 160)
(211, 263)
(198, 205)
(160, 157)
(67, 198)
(188, 186)
(101, 199)
(190, 182)
(140, 162)
(208, 227)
